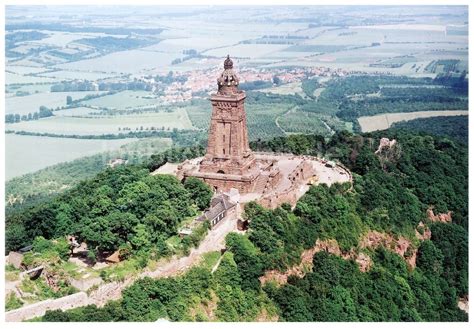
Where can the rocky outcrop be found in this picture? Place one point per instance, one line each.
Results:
(442, 217)
(400, 245)
(364, 262)
(385, 144)
(374, 239)
(463, 304)
(422, 232)
(306, 265)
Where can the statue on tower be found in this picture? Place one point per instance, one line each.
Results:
(227, 83)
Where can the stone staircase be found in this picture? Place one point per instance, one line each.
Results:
(261, 183)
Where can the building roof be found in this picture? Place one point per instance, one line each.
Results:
(219, 204)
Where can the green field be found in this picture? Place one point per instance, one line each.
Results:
(26, 154)
(31, 103)
(77, 112)
(124, 100)
(72, 75)
(261, 119)
(105, 125)
(129, 61)
(286, 89)
(310, 123)
(10, 90)
(58, 176)
(200, 115)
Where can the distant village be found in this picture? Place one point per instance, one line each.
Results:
(183, 86)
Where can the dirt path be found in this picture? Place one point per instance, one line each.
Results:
(214, 241)
(331, 131)
(282, 115)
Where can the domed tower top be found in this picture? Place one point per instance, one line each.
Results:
(228, 64)
(227, 83)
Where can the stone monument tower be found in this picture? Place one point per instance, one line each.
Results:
(229, 162)
(228, 149)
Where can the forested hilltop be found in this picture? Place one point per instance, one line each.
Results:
(379, 250)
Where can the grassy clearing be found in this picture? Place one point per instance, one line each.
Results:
(210, 259)
(11, 273)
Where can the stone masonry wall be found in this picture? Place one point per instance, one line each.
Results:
(39, 309)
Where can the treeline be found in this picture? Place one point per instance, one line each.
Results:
(390, 194)
(43, 112)
(31, 189)
(453, 127)
(11, 39)
(187, 137)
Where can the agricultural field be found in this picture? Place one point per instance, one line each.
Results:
(128, 61)
(261, 120)
(77, 112)
(23, 70)
(199, 115)
(72, 75)
(31, 103)
(47, 151)
(286, 89)
(66, 125)
(384, 121)
(13, 78)
(63, 175)
(246, 50)
(123, 100)
(310, 123)
(12, 90)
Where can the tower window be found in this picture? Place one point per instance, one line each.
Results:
(223, 151)
(223, 138)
